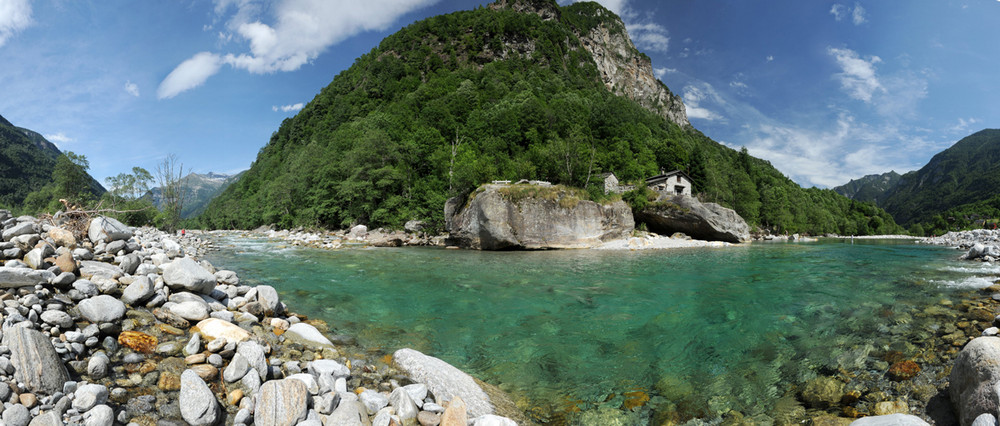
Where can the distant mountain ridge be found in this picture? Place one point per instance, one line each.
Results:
(199, 190)
(869, 188)
(968, 172)
(26, 163)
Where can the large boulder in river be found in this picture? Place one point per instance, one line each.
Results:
(500, 217)
(974, 379)
(703, 221)
(106, 229)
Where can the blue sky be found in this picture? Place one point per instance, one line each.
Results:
(825, 90)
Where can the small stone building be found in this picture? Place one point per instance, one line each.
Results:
(671, 183)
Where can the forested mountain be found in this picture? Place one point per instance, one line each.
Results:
(869, 188)
(967, 172)
(522, 89)
(27, 161)
(198, 189)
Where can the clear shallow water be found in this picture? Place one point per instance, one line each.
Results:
(699, 331)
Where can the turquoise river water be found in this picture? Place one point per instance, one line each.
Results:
(724, 329)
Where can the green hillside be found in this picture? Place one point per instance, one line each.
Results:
(966, 173)
(27, 161)
(506, 92)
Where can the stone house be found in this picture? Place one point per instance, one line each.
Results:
(671, 183)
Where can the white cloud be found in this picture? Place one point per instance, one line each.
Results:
(964, 125)
(858, 15)
(857, 76)
(294, 33)
(189, 74)
(288, 108)
(58, 138)
(694, 96)
(132, 88)
(769, 58)
(660, 72)
(15, 15)
(616, 6)
(838, 11)
(648, 36)
(302, 29)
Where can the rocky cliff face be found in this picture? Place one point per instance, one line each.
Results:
(703, 221)
(511, 217)
(623, 69)
(628, 73)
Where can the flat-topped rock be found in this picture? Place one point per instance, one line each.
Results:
(214, 328)
(23, 277)
(102, 308)
(307, 335)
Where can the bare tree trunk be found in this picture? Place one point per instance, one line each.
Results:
(451, 169)
(169, 174)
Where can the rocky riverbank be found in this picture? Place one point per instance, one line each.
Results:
(981, 244)
(104, 324)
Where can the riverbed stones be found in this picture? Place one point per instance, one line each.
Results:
(88, 396)
(455, 414)
(191, 310)
(101, 415)
(974, 379)
(23, 228)
(254, 354)
(139, 291)
(282, 403)
(890, 420)
(36, 363)
(57, 318)
(197, 402)
(186, 274)
(350, 413)
(62, 237)
(307, 335)
(102, 308)
(444, 380)
(92, 268)
(406, 409)
(267, 296)
(214, 328)
(106, 229)
(23, 277)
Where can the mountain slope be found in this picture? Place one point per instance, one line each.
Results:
(967, 172)
(26, 163)
(199, 190)
(870, 188)
(522, 89)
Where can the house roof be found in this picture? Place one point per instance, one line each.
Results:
(668, 175)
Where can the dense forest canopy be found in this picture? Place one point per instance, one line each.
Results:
(457, 100)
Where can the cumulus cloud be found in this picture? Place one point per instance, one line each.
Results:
(132, 88)
(293, 33)
(857, 76)
(695, 96)
(15, 15)
(288, 108)
(189, 74)
(769, 58)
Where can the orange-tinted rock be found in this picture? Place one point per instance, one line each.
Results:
(138, 341)
(454, 414)
(169, 382)
(65, 262)
(635, 399)
(903, 370)
(235, 397)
